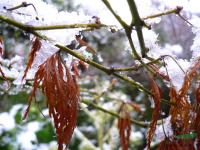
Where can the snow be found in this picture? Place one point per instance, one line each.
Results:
(174, 71)
(191, 6)
(7, 122)
(164, 129)
(195, 48)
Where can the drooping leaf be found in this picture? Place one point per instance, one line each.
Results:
(1, 46)
(36, 45)
(62, 96)
(124, 127)
(198, 94)
(1, 53)
(156, 112)
(190, 74)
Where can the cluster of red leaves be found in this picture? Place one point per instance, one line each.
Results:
(185, 116)
(156, 112)
(124, 126)
(61, 91)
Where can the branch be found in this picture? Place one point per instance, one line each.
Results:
(135, 67)
(138, 23)
(68, 26)
(173, 11)
(128, 30)
(77, 55)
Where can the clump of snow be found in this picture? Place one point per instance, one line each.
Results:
(44, 15)
(27, 136)
(150, 40)
(188, 5)
(7, 122)
(175, 72)
(195, 48)
(164, 129)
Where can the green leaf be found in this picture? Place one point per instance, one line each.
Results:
(191, 135)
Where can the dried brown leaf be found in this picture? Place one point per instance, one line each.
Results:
(156, 112)
(84, 43)
(198, 94)
(190, 74)
(124, 127)
(1, 46)
(173, 144)
(36, 45)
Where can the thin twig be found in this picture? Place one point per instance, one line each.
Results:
(23, 4)
(173, 11)
(69, 26)
(139, 123)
